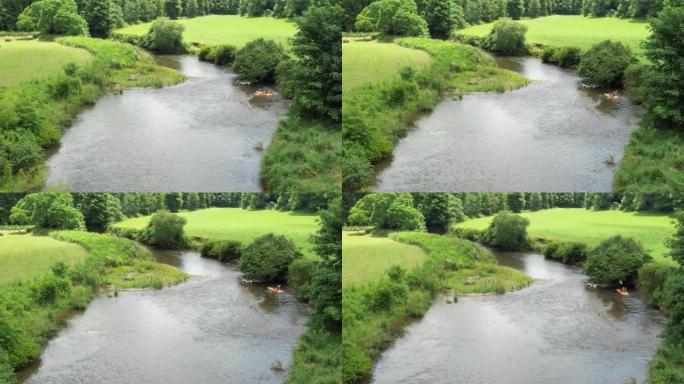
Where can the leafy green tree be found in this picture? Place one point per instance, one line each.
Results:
(352, 8)
(165, 230)
(192, 9)
(173, 9)
(165, 36)
(268, 257)
(192, 202)
(101, 17)
(313, 77)
(516, 202)
(472, 205)
(508, 231)
(387, 210)
(664, 85)
(99, 210)
(516, 9)
(53, 17)
(440, 210)
(676, 243)
(173, 201)
(47, 210)
(604, 64)
(534, 9)
(615, 261)
(392, 17)
(535, 202)
(258, 60)
(508, 37)
(440, 15)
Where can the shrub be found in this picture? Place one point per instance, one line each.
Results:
(47, 210)
(567, 252)
(604, 64)
(224, 54)
(49, 288)
(615, 261)
(507, 37)
(651, 279)
(165, 229)
(565, 57)
(258, 60)
(471, 234)
(673, 305)
(392, 17)
(221, 250)
(299, 275)
(268, 257)
(205, 53)
(508, 231)
(386, 294)
(165, 36)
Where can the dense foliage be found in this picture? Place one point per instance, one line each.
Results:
(387, 210)
(165, 230)
(604, 64)
(165, 36)
(615, 261)
(257, 60)
(268, 257)
(47, 210)
(58, 17)
(508, 231)
(392, 17)
(507, 38)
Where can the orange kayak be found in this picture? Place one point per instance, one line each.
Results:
(275, 289)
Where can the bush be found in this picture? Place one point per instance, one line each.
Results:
(165, 36)
(222, 250)
(507, 37)
(615, 261)
(651, 279)
(471, 234)
(299, 275)
(224, 54)
(565, 57)
(392, 17)
(205, 53)
(58, 17)
(258, 60)
(268, 257)
(47, 210)
(566, 252)
(508, 231)
(604, 64)
(165, 230)
(49, 288)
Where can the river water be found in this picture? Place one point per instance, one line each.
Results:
(556, 331)
(209, 330)
(200, 135)
(552, 135)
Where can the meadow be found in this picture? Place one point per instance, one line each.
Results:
(24, 60)
(576, 31)
(227, 29)
(243, 225)
(367, 257)
(372, 61)
(591, 227)
(24, 256)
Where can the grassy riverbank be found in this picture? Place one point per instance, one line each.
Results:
(242, 225)
(375, 115)
(24, 60)
(33, 114)
(576, 31)
(34, 308)
(376, 311)
(591, 227)
(226, 29)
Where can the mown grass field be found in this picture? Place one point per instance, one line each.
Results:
(26, 256)
(367, 257)
(227, 29)
(590, 227)
(364, 62)
(23, 60)
(243, 225)
(577, 31)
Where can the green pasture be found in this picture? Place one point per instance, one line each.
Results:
(227, 29)
(590, 227)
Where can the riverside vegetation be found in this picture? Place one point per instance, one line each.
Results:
(122, 263)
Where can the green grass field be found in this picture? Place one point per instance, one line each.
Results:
(227, 29)
(367, 257)
(590, 227)
(23, 60)
(243, 225)
(364, 62)
(25, 256)
(577, 31)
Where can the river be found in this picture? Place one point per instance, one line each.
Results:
(551, 136)
(554, 332)
(200, 135)
(211, 329)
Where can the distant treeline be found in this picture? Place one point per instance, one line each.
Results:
(116, 13)
(101, 209)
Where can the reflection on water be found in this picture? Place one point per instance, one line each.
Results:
(200, 135)
(552, 135)
(556, 331)
(209, 330)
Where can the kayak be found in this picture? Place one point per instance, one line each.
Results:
(274, 289)
(623, 293)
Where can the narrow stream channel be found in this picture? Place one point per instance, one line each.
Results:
(550, 136)
(209, 330)
(556, 331)
(200, 135)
